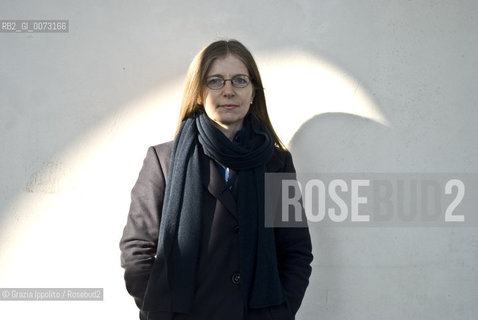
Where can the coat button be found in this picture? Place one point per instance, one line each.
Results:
(236, 230)
(236, 278)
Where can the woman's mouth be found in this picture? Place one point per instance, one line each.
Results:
(229, 106)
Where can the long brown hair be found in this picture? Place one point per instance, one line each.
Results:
(196, 77)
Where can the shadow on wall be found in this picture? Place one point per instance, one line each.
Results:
(342, 142)
(337, 142)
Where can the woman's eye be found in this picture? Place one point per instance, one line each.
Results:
(215, 82)
(240, 80)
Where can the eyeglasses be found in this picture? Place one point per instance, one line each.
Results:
(217, 82)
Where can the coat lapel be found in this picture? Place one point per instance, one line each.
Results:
(216, 185)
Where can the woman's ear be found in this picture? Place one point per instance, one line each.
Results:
(199, 100)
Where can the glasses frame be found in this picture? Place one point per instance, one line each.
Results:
(243, 76)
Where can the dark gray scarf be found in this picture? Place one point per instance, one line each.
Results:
(180, 229)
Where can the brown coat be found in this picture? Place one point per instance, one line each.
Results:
(217, 288)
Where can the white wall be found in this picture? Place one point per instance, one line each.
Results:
(78, 110)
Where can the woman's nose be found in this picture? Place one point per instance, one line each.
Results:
(228, 88)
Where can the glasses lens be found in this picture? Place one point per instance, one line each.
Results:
(240, 81)
(215, 82)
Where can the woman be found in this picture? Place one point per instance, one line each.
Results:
(195, 246)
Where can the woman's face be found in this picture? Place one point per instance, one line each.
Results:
(227, 106)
